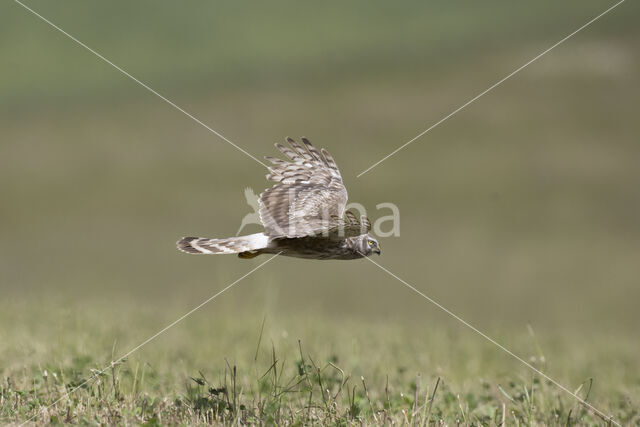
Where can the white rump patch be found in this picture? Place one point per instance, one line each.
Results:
(257, 241)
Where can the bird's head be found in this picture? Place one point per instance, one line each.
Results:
(369, 245)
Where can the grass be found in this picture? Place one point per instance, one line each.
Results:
(217, 367)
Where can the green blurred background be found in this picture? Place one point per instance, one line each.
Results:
(524, 208)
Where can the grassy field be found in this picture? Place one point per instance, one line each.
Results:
(520, 213)
(222, 365)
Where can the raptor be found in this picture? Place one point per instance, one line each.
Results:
(303, 214)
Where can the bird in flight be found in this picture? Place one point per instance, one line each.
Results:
(303, 214)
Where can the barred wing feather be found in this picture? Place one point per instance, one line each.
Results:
(308, 195)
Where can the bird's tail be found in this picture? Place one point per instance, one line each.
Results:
(232, 245)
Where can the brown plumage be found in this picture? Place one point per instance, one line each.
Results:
(303, 213)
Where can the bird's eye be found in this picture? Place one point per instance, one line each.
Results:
(371, 243)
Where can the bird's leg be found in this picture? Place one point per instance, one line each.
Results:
(249, 254)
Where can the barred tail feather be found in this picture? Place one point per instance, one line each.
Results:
(232, 245)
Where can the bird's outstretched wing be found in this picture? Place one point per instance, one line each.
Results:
(308, 196)
(341, 228)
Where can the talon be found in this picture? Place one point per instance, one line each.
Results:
(248, 254)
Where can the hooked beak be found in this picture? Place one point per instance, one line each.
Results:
(377, 250)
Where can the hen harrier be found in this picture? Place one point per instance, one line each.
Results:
(303, 213)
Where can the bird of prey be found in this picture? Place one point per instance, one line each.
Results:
(303, 214)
